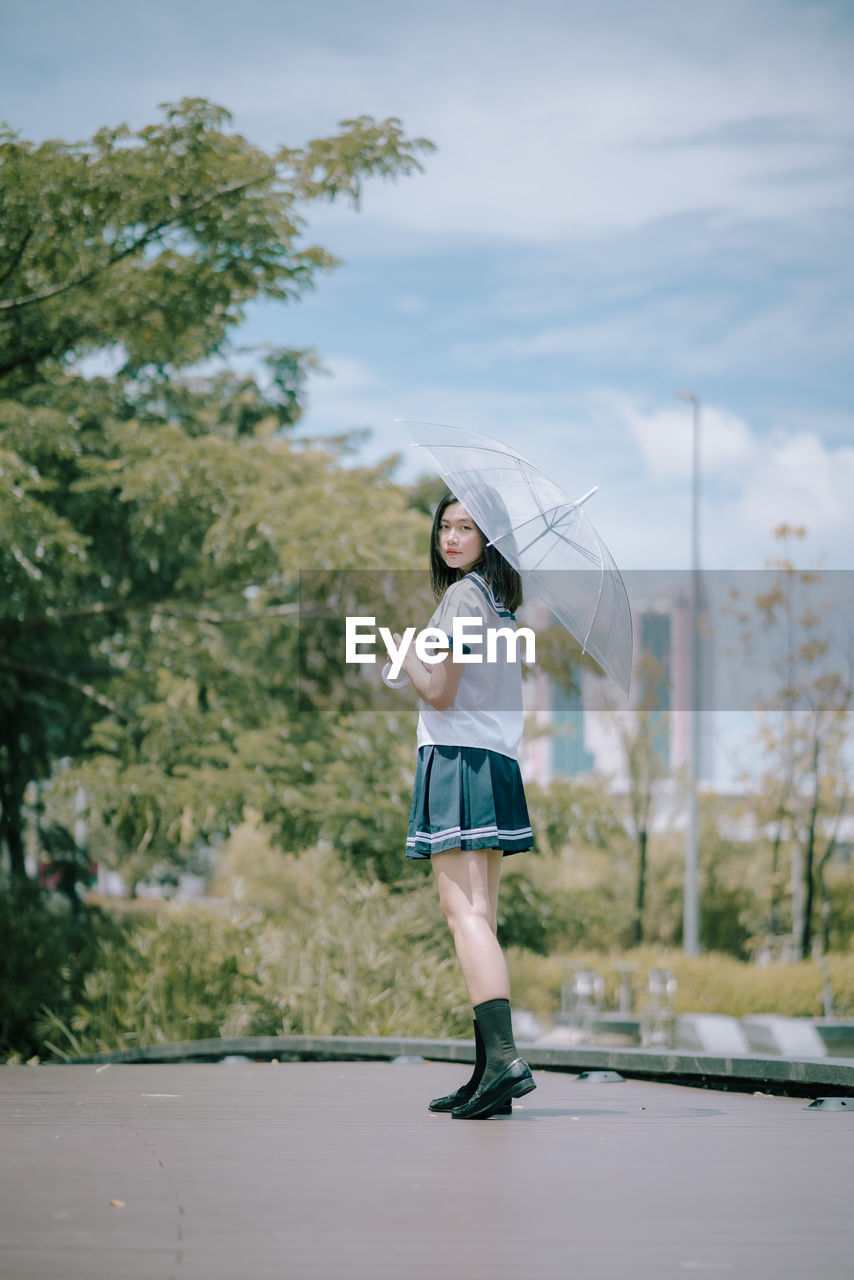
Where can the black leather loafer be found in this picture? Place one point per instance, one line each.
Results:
(513, 1082)
(461, 1096)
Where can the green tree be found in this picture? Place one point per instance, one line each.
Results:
(210, 703)
(805, 787)
(154, 242)
(571, 812)
(642, 736)
(153, 524)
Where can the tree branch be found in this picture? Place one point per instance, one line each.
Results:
(17, 256)
(29, 359)
(152, 234)
(104, 608)
(275, 611)
(30, 669)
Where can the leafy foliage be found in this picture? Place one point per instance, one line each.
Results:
(300, 946)
(155, 523)
(46, 955)
(155, 241)
(572, 812)
(806, 787)
(174, 571)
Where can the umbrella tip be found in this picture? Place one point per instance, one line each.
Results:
(589, 494)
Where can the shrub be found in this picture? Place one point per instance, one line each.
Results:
(340, 956)
(304, 944)
(46, 953)
(178, 973)
(705, 984)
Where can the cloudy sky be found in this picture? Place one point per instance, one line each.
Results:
(627, 199)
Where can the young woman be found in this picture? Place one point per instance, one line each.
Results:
(468, 804)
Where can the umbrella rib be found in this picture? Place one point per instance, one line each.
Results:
(544, 514)
(505, 453)
(551, 525)
(599, 597)
(576, 546)
(532, 491)
(513, 459)
(509, 455)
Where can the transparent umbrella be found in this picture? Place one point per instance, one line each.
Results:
(544, 535)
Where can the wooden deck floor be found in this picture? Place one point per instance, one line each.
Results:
(315, 1171)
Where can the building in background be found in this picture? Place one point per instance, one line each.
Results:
(571, 734)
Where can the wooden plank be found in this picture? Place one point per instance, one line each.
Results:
(312, 1171)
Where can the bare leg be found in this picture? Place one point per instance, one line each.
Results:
(494, 865)
(464, 880)
(468, 891)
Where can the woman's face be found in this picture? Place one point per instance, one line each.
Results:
(460, 544)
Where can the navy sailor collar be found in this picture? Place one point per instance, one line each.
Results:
(487, 591)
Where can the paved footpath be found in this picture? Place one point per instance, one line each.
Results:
(315, 1171)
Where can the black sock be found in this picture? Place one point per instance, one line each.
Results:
(496, 1028)
(479, 1060)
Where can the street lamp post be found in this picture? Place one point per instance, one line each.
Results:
(691, 913)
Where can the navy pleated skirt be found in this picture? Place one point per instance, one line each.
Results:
(467, 798)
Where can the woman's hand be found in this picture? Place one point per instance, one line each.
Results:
(411, 658)
(435, 682)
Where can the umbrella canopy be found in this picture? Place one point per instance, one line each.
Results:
(543, 534)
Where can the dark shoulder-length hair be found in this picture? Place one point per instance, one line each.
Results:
(499, 573)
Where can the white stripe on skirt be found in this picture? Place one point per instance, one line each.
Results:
(470, 833)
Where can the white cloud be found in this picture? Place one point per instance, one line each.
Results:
(350, 377)
(547, 130)
(607, 155)
(664, 437)
(409, 305)
(639, 455)
(637, 330)
(357, 396)
(750, 484)
(761, 323)
(799, 479)
(553, 118)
